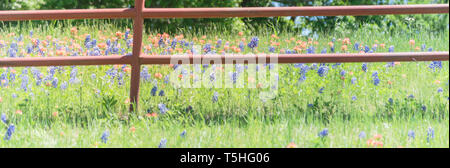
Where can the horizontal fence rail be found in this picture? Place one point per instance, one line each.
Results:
(139, 12)
(306, 58)
(293, 11)
(67, 14)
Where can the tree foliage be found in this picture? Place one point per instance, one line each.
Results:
(385, 22)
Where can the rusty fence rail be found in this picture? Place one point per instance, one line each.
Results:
(139, 13)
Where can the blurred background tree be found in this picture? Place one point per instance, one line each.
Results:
(383, 23)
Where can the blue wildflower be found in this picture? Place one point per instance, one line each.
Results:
(163, 143)
(162, 93)
(215, 97)
(342, 73)
(9, 132)
(3, 118)
(391, 101)
(411, 134)
(162, 108)
(105, 136)
(153, 91)
(366, 49)
(322, 71)
(356, 46)
(391, 49)
(253, 43)
(55, 82)
(364, 67)
(271, 49)
(411, 96)
(323, 133)
(440, 90)
(354, 98)
(430, 134)
(362, 135)
(424, 108)
(321, 90)
(354, 80)
(183, 134)
(207, 48)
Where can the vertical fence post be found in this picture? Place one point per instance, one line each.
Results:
(138, 23)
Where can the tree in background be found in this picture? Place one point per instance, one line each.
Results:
(383, 23)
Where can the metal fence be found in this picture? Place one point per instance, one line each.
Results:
(139, 12)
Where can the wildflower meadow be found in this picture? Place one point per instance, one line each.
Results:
(204, 105)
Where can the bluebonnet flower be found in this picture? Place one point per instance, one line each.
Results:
(161, 43)
(31, 33)
(322, 71)
(215, 97)
(310, 105)
(87, 41)
(163, 143)
(366, 49)
(129, 42)
(376, 80)
(207, 48)
(323, 133)
(354, 80)
(219, 43)
(311, 50)
(356, 46)
(440, 90)
(321, 90)
(126, 34)
(55, 82)
(64, 85)
(430, 49)
(332, 49)
(364, 67)
(24, 84)
(342, 73)
(3, 118)
(424, 108)
(271, 49)
(162, 93)
(105, 136)
(153, 91)
(411, 134)
(423, 47)
(241, 46)
(302, 77)
(362, 135)
(162, 108)
(9, 132)
(253, 43)
(411, 96)
(183, 134)
(391, 49)
(430, 134)
(435, 64)
(174, 43)
(391, 101)
(354, 98)
(324, 51)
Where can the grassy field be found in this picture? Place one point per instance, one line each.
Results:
(332, 105)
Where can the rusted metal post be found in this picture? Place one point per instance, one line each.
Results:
(138, 24)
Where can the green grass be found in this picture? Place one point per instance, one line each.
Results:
(239, 118)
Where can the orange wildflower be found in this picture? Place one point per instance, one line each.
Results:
(19, 112)
(291, 145)
(158, 75)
